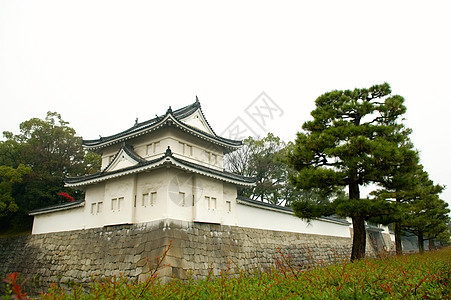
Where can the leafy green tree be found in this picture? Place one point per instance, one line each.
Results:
(51, 146)
(51, 149)
(92, 163)
(264, 159)
(10, 151)
(8, 176)
(354, 139)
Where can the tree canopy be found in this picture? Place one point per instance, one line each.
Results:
(407, 186)
(43, 154)
(356, 138)
(9, 176)
(262, 158)
(426, 215)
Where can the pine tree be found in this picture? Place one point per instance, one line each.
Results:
(354, 139)
(426, 215)
(407, 184)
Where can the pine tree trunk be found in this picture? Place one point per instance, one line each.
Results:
(358, 224)
(358, 238)
(398, 242)
(420, 242)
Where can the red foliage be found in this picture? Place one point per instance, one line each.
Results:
(67, 196)
(11, 279)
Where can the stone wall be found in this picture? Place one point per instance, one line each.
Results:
(131, 250)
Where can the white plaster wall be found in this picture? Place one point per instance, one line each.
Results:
(140, 145)
(200, 153)
(261, 218)
(93, 195)
(122, 187)
(181, 192)
(148, 183)
(203, 211)
(65, 220)
(230, 194)
(174, 138)
(171, 183)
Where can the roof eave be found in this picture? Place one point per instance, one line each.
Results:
(61, 207)
(286, 210)
(168, 120)
(167, 159)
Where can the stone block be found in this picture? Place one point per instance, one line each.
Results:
(195, 247)
(142, 262)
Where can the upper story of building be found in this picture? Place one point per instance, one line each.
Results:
(181, 138)
(185, 131)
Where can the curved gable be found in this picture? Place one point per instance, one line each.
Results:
(198, 121)
(124, 158)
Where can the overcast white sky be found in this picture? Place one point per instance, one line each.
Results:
(102, 64)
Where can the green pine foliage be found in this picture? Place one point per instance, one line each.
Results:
(418, 208)
(356, 138)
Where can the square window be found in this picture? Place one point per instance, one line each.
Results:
(229, 206)
(93, 208)
(153, 198)
(156, 146)
(149, 149)
(145, 200)
(207, 202)
(182, 147)
(99, 207)
(186, 149)
(120, 203)
(213, 203)
(182, 199)
(113, 204)
(152, 148)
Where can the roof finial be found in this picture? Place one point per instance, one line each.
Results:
(168, 151)
(169, 111)
(197, 103)
(136, 121)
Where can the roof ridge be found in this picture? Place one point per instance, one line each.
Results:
(128, 149)
(147, 122)
(177, 115)
(163, 158)
(131, 151)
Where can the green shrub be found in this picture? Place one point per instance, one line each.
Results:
(400, 277)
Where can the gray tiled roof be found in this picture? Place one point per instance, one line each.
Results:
(57, 207)
(177, 162)
(287, 209)
(147, 125)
